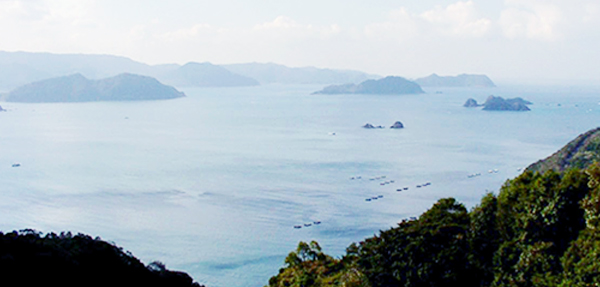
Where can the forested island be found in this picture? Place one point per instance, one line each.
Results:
(541, 229)
(77, 88)
(494, 103)
(389, 85)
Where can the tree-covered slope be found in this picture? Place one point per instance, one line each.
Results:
(541, 229)
(580, 152)
(30, 259)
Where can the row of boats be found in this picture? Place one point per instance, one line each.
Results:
(307, 224)
(479, 174)
(398, 190)
(374, 198)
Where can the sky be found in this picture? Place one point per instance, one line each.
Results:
(512, 40)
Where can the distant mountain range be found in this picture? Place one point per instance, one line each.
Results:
(388, 85)
(269, 73)
(19, 68)
(77, 88)
(463, 80)
(202, 75)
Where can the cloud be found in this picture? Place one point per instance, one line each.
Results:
(286, 25)
(58, 25)
(399, 26)
(460, 19)
(539, 20)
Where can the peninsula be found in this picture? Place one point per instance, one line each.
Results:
(77, 88)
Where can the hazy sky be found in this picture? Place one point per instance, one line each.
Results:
(506, 39)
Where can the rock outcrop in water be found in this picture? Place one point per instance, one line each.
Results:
(370, 126)
(77, 88)
(389, 85)
(397, 125)
(471, 103)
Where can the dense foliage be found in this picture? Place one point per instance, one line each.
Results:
(64, 259)
(579, 153)
(540, 230)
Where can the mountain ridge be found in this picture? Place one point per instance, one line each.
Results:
(461, 80)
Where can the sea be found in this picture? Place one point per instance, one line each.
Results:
(224, 183)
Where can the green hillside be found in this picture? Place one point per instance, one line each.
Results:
(541, 229)
(580, 153)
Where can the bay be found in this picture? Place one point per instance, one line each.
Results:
(214, 183)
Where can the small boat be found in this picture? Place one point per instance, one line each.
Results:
(374, 198)
(316, 222)
(399, 189)
(368, 199)
(307, 224)
(297, 226)
(380, 196)
(406, 188)
(418, 186)
(16, 165)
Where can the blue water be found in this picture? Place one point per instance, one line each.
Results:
(212, 184)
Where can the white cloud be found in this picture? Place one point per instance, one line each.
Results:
(460, 19)
(538, 20)
(50, 25)
(281, 22)
(591, 13)
(286, 26)
(399, 26)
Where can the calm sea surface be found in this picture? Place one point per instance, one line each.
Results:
(214, 183)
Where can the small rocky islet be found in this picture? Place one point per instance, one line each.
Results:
(396, 125)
